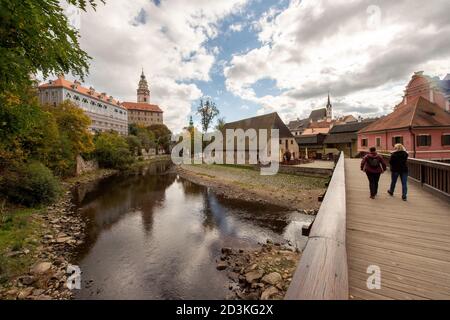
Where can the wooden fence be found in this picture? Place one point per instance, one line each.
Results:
(322, 272)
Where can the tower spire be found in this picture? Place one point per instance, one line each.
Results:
(143, 92)
(329, 108)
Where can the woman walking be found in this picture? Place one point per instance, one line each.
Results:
(373, 165)
(399, 168)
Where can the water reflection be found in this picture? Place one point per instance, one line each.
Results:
(156, 236)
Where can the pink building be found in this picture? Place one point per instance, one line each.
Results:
(421, 122)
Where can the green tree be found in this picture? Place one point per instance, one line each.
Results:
(134, 145)
(220, 124)
(25, 129)
(35, 36)
(162, 136)
(74, 137)
(112, 150)
(207, 111)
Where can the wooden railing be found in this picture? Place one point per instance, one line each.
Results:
(322, 272)
(432, 175)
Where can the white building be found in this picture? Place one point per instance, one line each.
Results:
(105, 112)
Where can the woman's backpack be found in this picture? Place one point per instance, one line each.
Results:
(373, 162)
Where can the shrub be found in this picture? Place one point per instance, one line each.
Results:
(30, 184)
(112, 151)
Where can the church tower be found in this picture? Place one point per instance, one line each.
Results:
(143, 92)
(329, 109)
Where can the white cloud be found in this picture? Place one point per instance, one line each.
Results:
(237, 27)
(167, 40)
(364, 56)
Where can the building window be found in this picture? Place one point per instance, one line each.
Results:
(378, 142)
(424, 140)
(364, 142)
(446, 139)
(292, 141)
(397, 139)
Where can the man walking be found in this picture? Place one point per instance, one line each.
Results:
(373, 165)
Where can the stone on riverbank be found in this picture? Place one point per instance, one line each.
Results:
(268, 293)
(221, 265)
(272, 278)
(252, 276)
(41, 268)
(264, 274)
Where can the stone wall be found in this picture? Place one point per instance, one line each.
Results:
(305, 171)
(84, 166)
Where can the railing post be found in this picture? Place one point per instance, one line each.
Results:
(422, 173)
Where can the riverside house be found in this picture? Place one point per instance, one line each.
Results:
(421, 122)
(268, 121)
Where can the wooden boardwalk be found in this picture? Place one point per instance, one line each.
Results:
(409, 241)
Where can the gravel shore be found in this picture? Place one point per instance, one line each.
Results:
(61, 230)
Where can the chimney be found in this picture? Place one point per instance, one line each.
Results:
(110, 99)
(75, 84)
(91, 90)
(61, 76)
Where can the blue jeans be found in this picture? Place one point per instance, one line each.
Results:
(404, 178)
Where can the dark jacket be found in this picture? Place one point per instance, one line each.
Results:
(365, 163)
(398, 161)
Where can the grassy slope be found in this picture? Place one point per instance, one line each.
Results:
(246, 176)
(20, 229)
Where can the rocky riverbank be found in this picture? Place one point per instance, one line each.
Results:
(288, 191)
(261, 274)
(61, 230)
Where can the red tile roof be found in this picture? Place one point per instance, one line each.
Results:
(418, 112)
(141, 106)
(61, 82)
(320, 124)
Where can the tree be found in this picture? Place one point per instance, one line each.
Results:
(208, 111)
(162, 136)
(35, 36)
(134, 145)
(112, 150)
(74, 137)
(220, 124)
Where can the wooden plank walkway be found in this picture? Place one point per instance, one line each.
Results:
(409, 241)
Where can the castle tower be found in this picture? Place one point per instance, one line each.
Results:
(329, 109)
(143, 92)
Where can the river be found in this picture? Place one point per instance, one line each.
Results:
(154, 235)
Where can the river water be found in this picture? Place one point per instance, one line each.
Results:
(154, 235)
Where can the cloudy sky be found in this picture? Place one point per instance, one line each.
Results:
(260, 56)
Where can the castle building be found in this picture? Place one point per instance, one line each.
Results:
(105, 112)
(142, 112)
